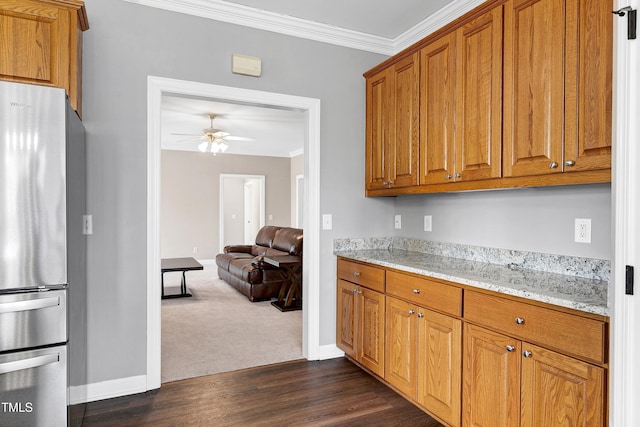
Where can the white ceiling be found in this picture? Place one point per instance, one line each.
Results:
(273, 132)
(380, 26)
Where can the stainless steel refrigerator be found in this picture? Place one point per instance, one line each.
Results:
(42, 256)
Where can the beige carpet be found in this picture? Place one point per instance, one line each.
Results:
(219, 330)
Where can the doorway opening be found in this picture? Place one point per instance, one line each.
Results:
(156, 87)
(241, 208)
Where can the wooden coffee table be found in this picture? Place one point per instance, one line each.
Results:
(178, 264)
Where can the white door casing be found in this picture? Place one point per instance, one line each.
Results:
(156, 86)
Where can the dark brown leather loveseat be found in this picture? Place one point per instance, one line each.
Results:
(244, 268)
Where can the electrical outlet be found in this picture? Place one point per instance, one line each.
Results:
(195, 250)
(427, 223)
(582, 230)
(398, 222)
(87, 224)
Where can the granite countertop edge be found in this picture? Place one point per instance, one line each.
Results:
(578, 293)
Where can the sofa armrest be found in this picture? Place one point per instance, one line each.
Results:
(238, 248)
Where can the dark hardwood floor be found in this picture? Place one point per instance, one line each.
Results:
(302, 393)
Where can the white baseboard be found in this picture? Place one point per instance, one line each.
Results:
(107, 389)
(325, 352)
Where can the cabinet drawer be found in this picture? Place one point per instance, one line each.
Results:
(425, 292)
(361, 274)
(567, 333)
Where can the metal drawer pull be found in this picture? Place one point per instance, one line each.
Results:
(519, 320)
(411, 312)
(570, 163)
(33, 304)
(420, 315)
(416, 291)
(553, 165)
(33, 362)
(527, 353)
(510, 348)
(356, 274)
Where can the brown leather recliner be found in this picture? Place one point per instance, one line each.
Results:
(243, 267)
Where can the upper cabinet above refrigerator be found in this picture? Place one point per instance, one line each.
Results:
(41, 43)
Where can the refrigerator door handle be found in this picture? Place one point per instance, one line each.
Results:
(33, 362)
(34, 304)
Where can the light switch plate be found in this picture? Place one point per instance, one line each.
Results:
(326, 221)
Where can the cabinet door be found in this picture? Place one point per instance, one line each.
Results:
(401, 337)
(346, 322)
(32, 37)
(371, 336)
(440, 365)
(558, 390)
(437, 111)
(533, 87)
(589, 64)
(403, 151)
(491, 379)
(378, 119)
(479, 98)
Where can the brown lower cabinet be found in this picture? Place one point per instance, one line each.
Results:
(509, 383)
(423, 357)
(473, 358)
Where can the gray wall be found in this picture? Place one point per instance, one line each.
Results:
(125, 44)
(190, 199)
(528, 219)
(128, 42)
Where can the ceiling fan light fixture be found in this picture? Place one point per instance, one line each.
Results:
(203, 146)
(223, 146)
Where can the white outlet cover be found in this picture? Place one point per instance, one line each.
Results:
(398, 222)
(582, 230)
(427, 223)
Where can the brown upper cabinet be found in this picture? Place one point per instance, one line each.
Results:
(512, 94)
(557, 86)
(461, 103)
(41, 43)
(392, 126)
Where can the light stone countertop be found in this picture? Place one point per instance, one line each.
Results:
(584, 294)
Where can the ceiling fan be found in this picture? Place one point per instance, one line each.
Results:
(214, 140)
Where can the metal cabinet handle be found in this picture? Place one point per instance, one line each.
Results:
(356, 274)
(411, 312)
(32, 362)
(570, 163)
(416, 291)
(420, 315)
(32, 304)
(553, 165)
(354, 290)
(519, 321)
(510, 348)
(447, 176)
(457, 175)
(359, 292)
(527, 353)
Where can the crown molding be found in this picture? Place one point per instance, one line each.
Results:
(449, 13)
(233, 13)
(264, 20)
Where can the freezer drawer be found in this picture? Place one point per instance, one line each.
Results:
(33, 386)
(33, 319)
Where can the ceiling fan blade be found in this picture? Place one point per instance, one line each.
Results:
(239, 138)
(187, 134)
(190, 139)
